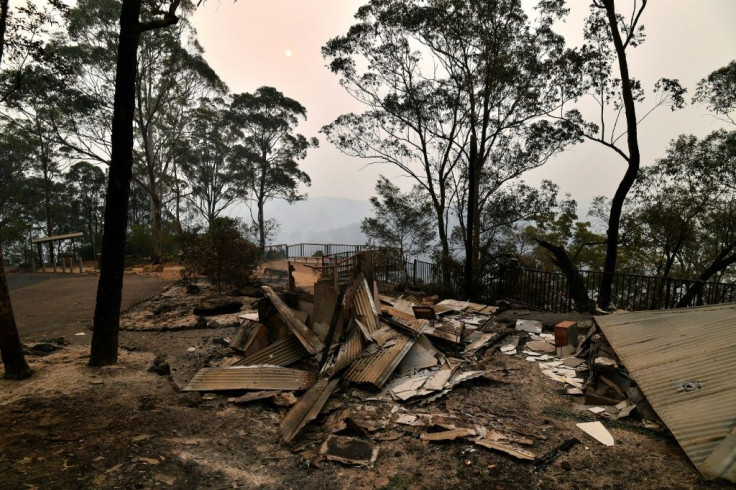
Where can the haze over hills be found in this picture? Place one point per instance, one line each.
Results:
(319, 220)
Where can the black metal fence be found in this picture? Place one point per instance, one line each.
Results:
(549, 290)
(284, 251)
(537, 288)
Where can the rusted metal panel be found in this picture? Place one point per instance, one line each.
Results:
(250, 378)
(350, 349)
(250, 338)
(364, 305)
(306, 336)
(376, 364)
(684, 362)
(283, 352)
(307, 408)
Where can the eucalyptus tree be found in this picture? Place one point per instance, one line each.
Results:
(718, 92)
(455, 92)
(268, 151)
(609, 36)
(401, 221)
(207, 158)
(171, 75)
(85, 183)
(11, 349)
(686, 205)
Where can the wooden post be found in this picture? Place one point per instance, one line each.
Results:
(40, 255)
(292, 282)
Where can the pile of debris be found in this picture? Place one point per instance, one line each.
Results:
(401, 353)
(348, 360)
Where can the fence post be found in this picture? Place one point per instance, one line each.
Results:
(415, 272)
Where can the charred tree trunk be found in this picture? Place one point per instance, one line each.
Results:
(106, 325)
(633, 160)
(575, 282)
(473, 191)
(4, 5)
(11, 350)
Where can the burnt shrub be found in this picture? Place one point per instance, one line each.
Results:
(222, 254)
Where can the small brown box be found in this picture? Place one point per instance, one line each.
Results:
(566, 333)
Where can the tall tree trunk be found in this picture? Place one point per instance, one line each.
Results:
(156, 228)
(11, 350)
(261, 227)
(472, 219)
(4, 6)
(106, 327)
(261, 202)
(634, 159)
(47, 209)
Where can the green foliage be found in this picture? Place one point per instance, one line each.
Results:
(454, 92)
(222, 254)
(269, 150)
(561, 225)
(139, 242)
(206, 158)
(683, 217)
(401, 221)
(718, 92)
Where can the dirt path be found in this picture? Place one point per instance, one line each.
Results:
(61, 305)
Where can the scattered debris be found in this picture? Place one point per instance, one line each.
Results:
(532, 326)
(349, 450)
(597, 431)
(217, 305)
(448, 435)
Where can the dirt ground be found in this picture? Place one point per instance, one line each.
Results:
(72, 426)
(61, 305)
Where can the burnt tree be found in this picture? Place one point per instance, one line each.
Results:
(11, 350)
(106, 325)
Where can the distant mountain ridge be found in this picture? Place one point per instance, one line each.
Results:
(319, 220)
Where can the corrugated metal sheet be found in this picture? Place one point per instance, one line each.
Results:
(685, 364)
(377, 364)
(250, 378)
(350, 349)
(281, 353)
(307, 408)
(249, 336)
(364, 305)
(306, 336)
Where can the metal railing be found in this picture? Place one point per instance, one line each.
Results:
(298, 250)
(550, 291)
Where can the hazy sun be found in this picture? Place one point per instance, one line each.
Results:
(288, 53)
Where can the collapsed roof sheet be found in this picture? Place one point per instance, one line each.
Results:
(306, 336)
(281, 353)
(364, 305)
(377, 364)
(261, 377)
(684, 362)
